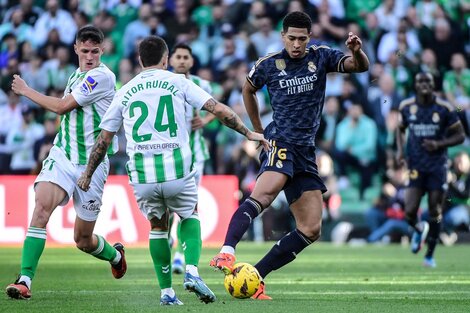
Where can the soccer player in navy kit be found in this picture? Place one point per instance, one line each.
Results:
(296, 79)
(433, 125)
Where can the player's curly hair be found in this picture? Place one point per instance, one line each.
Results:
(90, 32)
(151, 50)
(297, 19)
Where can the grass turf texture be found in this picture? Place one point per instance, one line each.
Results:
(324, 278)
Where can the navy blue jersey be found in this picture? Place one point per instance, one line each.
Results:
(426, 122)
(297, 90)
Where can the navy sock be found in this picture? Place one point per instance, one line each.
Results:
(433, 237)
(283, 252)
(241, 220)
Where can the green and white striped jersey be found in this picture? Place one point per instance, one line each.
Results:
(196, 139)
(152, 108)
(93, 90)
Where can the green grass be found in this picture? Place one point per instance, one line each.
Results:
(324, 278)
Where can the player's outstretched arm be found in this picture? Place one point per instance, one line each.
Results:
(56, 105)
(232, 120)
(358, 62)
(96, 157)
(251, 105)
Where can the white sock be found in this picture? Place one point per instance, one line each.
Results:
(26, 280)
(168, 291)
(192, 269)
(117, 258)
(228, 249)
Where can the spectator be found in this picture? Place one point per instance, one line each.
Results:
(22, 31)
(31, 12)
(10, 118)
(265, 36)
(141, 28)
(444, 42)
(55, 18)
(456, 209)
(356, 144)
(20, 142)
(58, 69)
(386, 217)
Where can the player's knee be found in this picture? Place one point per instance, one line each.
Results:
(312, 232)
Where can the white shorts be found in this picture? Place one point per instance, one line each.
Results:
(178, 196)
(199, 167)
(59, 170)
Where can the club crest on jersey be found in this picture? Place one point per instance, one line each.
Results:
(435, 117)
(413, 111)
(312, 67)
(88, 85)
(279, 164)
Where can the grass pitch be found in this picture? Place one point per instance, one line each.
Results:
(323, 278)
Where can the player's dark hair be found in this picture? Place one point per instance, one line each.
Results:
(297, 19)
(90, 32)
(151, 50)
(182, 45)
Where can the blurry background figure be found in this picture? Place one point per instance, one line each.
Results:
(20, 142)
(10, 118)
(356, 144)
(386, 217)
(456, 87)
(456, 209)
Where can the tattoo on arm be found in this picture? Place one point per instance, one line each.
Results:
(226, 116)
(97, 154)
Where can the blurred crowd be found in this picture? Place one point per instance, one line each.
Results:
(360, 114)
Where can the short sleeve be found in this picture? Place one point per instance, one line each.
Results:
(94, 86)
(402, 121)
(453, 118)
(112, 119)
(335, 60)
(194, 95)
(257, 76)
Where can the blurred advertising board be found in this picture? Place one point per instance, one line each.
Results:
(119, 219)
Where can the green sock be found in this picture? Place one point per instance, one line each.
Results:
(161, 256)
(179, 247)
(33, 247)
(104, 251)
(191, 239)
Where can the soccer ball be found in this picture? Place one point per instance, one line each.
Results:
(243, 282)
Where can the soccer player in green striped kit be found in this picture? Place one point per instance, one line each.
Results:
(152, 107)
(89, 92)
(182, 61)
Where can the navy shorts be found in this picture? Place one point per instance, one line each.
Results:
(428, 181)
(297, 162)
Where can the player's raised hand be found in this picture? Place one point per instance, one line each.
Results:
(84, 182)
(254, 136)
(18, 85)
(353, 42)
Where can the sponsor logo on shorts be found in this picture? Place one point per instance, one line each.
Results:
(92, 205)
